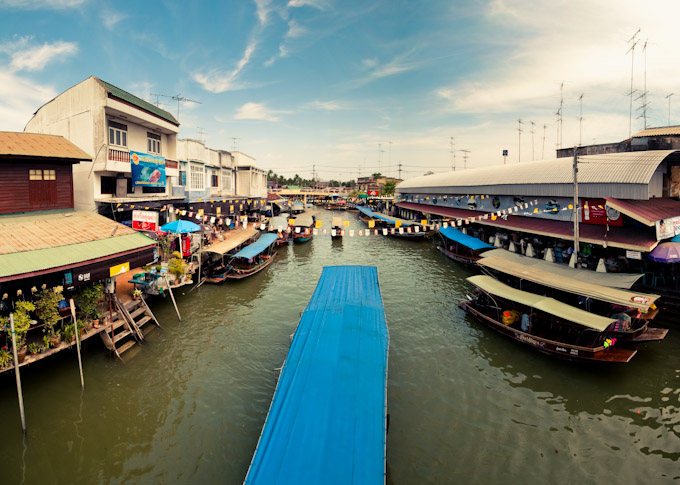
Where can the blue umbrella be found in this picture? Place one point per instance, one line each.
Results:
(180, 227)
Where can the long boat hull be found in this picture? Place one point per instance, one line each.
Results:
(240, 273)
(459, 258)
(411, 236)
(302, 239)
(558, 349)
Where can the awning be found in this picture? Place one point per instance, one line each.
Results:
(279, 221)
(619, 237)
(611, 280)
(303, 220)
(646, 211)
(257, 247)
(548, 305)
(234, 239)
(641, 301)
(336, 222)
(383, 217)
(327, 419)
(468, 241)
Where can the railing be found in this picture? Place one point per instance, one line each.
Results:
(119, 156)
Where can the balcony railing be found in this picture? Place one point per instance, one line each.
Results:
(119, 156)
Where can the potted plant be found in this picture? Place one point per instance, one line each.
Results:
(5, 358)
(47, 307)
(96, 316)
(35, 348)
(87, 299)
(177, 266)
(137, 294)
(68, 333)
(22, 322)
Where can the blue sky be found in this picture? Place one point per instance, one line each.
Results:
(357, 87)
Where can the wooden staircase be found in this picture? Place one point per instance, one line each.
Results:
(128, 324)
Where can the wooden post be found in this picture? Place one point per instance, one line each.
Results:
(167, 281)
(16, 374)
(77, 333)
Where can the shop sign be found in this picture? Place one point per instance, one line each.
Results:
(595, 211)
(666, 228)
(373, 193)
(633, 254)
(145, 220)
(147, 170)
(119, 269)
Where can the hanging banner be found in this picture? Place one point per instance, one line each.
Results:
(595, 211)
(147, 170)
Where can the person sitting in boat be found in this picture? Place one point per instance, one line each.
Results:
(622, 323)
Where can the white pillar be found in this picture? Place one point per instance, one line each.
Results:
(601, 268)
(572, 260)
(530, 251)
(548, 256)
(511, 247)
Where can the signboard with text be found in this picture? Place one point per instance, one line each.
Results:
(595, 211)
(373, 193)
(145, 220)
(147, 170)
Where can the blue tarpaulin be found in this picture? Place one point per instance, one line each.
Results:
(257, 247)
(467, 241)
(382, 217)
(327, 420)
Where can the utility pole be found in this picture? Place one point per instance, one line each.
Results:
(389, 159)
(576, 211)
(559, 117)
(519, 142)
(453, 154)
(533, 154)
(379, 151)
(633, 43)
(400, 171)
(580, 118)
(668, 97)
(644, 92)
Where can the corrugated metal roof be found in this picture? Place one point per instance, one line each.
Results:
(42, 259)
(634, 168)
(37, 145)
(55, 229)
(661, 131)
(139, 102)
(646, 211)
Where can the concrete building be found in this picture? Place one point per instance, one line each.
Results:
(124, 133)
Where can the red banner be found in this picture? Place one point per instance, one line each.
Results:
(595, 211)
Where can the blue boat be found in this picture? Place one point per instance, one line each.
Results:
(327, 421)
(248, 261)
(302, 228)
(383, 221)
(461, 247)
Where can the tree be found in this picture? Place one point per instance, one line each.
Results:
(376, 175)
(388, 188)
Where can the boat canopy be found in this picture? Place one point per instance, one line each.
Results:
(336, 222)
(382, 217)
(303, 220)
(612, 280)
(233, 240)
(279, 221)
(468, 241)
(545, 304)
(617, 296)
(257, 247)
(327, 419)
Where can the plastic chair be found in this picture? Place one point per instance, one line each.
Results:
(659, 278)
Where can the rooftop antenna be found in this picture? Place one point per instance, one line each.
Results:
(580, 117)
(465, 158)
(533, 154)
(389, 159)
(668, 97)
(201, 134)
(178, 98)
(233, 145)
(559, 117)
(633, 42)
(644, 89)
(453, 154)
(519, 142)
(543, 151)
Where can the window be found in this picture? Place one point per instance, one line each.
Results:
(213, 178)
(117, 134)
(183, 178)
(226, 180)
(153, 190)
(197, 177)
(42, 175)
(108, 185)
(153, 142)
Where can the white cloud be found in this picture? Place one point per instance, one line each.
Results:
(320, 4)
(19, 99)
(325, 105)
(36, 58)
(295, 30)
(263, 9)
(218, 82)
(257, 111)
(111, 18)
(398, 65)
(40, 4)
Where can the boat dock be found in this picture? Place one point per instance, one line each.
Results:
(328, 418)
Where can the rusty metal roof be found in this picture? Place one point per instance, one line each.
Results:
(661, 131)
(646, 211)
(38, 242)
(19, 144)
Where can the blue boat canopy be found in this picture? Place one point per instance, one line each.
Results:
(257, 247)
(382, 217)
(327, 419)
(468, 241)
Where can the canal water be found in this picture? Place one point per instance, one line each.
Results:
(466, 405)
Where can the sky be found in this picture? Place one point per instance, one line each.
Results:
(344, 88)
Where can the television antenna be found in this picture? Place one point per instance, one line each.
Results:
(519, 140)
(633, 43)
(178, 98)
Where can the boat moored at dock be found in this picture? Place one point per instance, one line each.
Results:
(461, 247)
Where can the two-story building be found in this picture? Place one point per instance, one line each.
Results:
(133, 143)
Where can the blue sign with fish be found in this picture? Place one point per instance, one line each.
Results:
(147, 170)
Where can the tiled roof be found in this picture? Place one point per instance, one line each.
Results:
(34, 145)
(116, 92)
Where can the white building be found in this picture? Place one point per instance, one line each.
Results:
(111, 123)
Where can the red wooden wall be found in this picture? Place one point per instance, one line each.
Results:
(19, 194)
